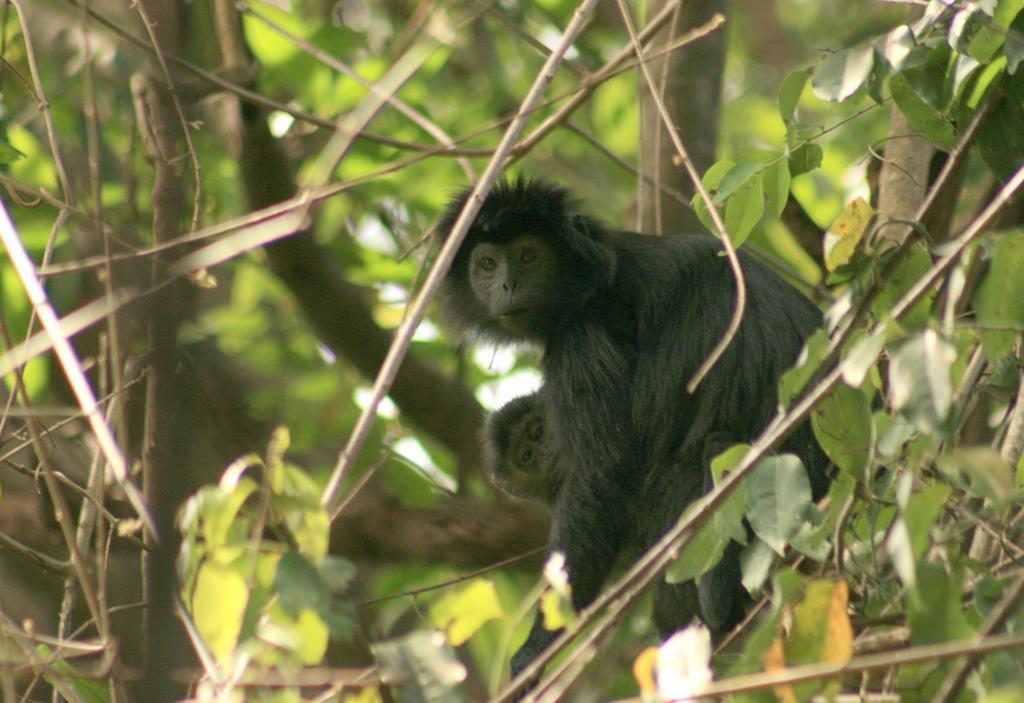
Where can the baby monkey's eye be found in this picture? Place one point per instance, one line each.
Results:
(487, 263)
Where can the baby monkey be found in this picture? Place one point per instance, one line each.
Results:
(520, 463)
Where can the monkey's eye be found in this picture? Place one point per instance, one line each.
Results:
(528, 256)
(526, 457)
(487, 263)
(537, 432)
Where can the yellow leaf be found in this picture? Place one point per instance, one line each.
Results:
(314, 636)
(218, 604)
(775, 663)
(461, 613)
(844, 235)
(556, 609)
(839, 635)
(643, 670)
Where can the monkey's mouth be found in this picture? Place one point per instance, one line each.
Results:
(516, 314)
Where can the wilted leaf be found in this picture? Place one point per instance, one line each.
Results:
(775, 663)
(845, 233)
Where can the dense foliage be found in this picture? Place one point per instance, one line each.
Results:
(229, 258)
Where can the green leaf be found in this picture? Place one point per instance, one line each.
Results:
(737, 177)
(983, 472)
(756, 563)
(778, 492)
(728, 517)
(8, 154)
(862, 355)
(927, 120)
(218, 606)
(843, 425)
(843, 73)
(1013, 47)
(713, 177)
(804, 159)
(991, 34)
(807, 364)
(935, 613)
(999, 300)
(986, 79)
(908, 271)
(777, 180)
(300, 585)
(901, 552)
(744, 209)
(703, 552)
(896, 46)
(923, 509)
(1001, 136)
(789, 93)
(297, 582)
(461, 612)
(920, 381)
(966, 24)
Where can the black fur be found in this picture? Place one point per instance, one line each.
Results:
(637, 315)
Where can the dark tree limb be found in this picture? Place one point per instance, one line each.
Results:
(339, 311)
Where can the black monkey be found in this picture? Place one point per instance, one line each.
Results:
(624, 320)
(520, 462)
(523, 465)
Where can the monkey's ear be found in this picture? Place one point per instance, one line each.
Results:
(586, 240)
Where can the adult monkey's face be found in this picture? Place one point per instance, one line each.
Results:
(517, 281)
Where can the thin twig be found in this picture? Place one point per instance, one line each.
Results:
(69, 362)
(403, 336)
(599, 618)
(698, 183)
